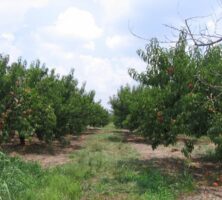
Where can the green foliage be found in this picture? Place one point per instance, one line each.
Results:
(179, 93)
(36, 101)
(120, 105)
(99, 116)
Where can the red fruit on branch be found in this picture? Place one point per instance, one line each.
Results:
(190, 86)
(215, 184)
(170, 71)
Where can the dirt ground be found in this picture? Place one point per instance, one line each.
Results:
(47, 155)
(169, 159)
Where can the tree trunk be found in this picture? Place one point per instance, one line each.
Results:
(22, 140)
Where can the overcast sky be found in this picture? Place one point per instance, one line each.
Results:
(91, 36)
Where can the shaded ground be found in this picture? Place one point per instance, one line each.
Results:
(171, 159)
(48, 155)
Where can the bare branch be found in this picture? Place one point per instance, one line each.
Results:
(204, 37)
(189, 31)
(135, 35)
(148, 39)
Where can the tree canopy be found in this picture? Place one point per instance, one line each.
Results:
(36, 101)
(178, 93)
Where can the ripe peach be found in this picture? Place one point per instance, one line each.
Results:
(170, 71)
(215, 184)
(190, 86)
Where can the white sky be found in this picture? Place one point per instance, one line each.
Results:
(92, 36)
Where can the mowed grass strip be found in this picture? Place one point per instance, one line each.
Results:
(103, 169)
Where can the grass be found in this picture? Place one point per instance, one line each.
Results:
(101, 170)
(110, 127)
(16, 176)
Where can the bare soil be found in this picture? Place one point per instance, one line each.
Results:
(47, 155)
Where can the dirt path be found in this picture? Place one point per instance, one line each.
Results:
(57, 153)
(172, 160)
(47, 155)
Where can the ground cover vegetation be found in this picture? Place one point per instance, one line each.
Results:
(105, 168)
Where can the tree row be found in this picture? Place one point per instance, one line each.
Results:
(35, 101)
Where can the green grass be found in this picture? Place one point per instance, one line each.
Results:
(109, 127)
(17, 176)
(103, 169)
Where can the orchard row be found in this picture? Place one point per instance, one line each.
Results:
(180, 92)
(35, 101)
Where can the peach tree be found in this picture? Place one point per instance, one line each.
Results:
(179, 93)
(35, 101)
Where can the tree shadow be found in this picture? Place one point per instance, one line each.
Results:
(127, 137)
(143, 177)
(115, 138)
(35, 146)
(204, 169)
(203, 172)
(174, 173)
(38, 147)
